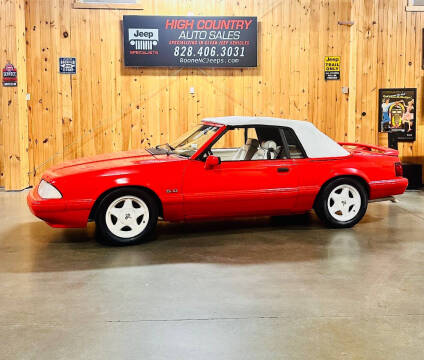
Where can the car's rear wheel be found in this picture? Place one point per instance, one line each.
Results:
(342, 203)
(126, 216)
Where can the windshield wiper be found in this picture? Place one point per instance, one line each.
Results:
(166, 144)
(159, 147)
(170, 147)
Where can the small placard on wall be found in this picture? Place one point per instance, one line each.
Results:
(10, 75)
(332, 68)
(68, 65)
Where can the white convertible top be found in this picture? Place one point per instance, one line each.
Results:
(315, 143)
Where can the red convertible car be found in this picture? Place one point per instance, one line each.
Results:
(226, 167)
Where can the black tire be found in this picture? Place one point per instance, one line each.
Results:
(105, 236)
(322, 202)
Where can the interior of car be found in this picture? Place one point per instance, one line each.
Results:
(257, 143)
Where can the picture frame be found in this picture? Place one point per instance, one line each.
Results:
(412, 6)
(116, 5)
(397, 113)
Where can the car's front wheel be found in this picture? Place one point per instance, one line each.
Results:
(342, 203)
(126, 216)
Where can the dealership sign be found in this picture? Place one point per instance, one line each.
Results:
(10, 75)
(190, 41)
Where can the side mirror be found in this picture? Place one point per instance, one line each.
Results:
(212, 161)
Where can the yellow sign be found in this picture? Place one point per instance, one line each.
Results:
(332, 67)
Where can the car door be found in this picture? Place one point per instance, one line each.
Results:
(239, 188)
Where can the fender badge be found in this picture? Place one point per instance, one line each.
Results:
(170, 191)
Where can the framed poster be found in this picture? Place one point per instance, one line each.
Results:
(397, 109)
(190, 41)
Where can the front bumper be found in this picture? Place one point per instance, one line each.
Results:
(60, 212)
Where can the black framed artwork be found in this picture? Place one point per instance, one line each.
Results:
(397, 113)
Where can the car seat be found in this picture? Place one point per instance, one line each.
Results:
(267, 151)
(247, 151)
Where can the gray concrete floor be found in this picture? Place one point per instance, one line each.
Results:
(245, 289)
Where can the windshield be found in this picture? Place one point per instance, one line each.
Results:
(189, 143)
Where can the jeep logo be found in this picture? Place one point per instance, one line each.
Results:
(143, 39)
(142, 35)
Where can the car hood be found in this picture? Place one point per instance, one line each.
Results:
(109, 162)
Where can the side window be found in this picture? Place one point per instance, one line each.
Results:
(294, 147)
(232, 139)
(250, 143)
(235, 143)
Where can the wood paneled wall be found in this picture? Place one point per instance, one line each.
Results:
(107, 107)
(14, 164)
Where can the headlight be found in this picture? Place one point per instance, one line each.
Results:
(48, 191)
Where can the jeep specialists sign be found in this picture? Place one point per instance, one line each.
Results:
(190, 41)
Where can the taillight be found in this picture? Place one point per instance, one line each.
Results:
(398, 169)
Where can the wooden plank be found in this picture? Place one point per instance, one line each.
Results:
(332, 87)
(116, 89)
(359, 69)
(314, 67)
(56, 81)
(74, 145)
(64, 37)
(88, 126)
(44, 120)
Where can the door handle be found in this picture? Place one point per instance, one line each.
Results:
(283, 170)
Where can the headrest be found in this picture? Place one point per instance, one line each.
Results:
(252, 142)
(269, 145)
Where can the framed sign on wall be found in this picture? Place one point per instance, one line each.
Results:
(332, 68)
(397, 109)
(190, 41)
(67, 65)
(10, 76)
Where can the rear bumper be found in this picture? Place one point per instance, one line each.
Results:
(386, 188)
(60, 212)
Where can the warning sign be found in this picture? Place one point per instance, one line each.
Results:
(332, 68)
